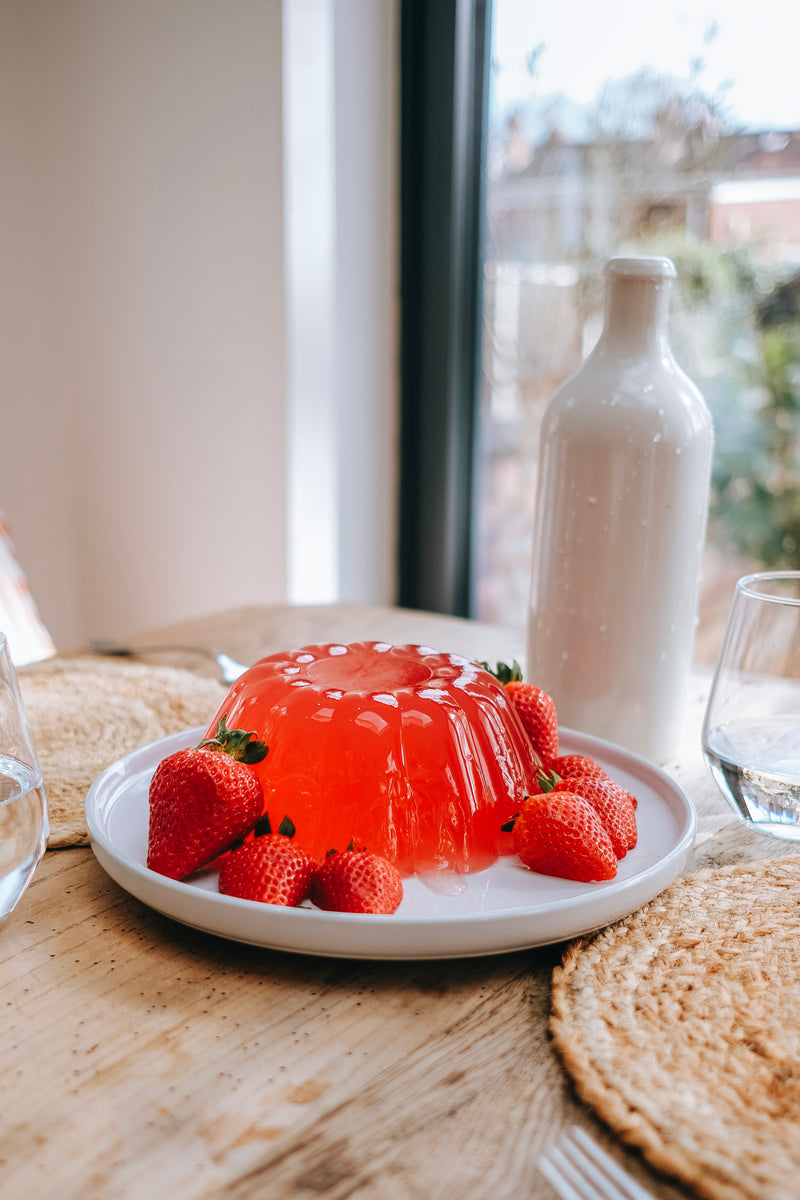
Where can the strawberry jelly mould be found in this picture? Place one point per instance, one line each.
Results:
(415, 753)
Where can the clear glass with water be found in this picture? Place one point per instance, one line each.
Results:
(24, 825)
(751, 732)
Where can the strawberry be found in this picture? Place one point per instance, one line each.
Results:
(202, 800)
(272, 868)
(559, 833)
(535, 708)
(357, 881)
(537, 712)
(576, 766)
(613, 805)
(580, 766)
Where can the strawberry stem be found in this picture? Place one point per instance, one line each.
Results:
(503, 672)
(263, 826)
(547, 780)
(237, 743)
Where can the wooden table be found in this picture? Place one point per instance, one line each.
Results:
(144, 1059)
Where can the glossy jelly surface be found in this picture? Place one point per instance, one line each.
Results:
(415, 753)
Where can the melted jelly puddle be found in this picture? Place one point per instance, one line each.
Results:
(443, 883)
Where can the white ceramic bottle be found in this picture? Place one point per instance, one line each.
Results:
(621, 509)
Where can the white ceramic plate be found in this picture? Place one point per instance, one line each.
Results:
(502, 909)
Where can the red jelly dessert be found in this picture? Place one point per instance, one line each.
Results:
(416, 754)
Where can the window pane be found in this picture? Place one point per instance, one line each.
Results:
(681, 136)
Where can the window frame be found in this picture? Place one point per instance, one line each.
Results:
(445, 48)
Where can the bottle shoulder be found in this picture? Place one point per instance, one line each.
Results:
(647, 392)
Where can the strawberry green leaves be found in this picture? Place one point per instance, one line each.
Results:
(238, 743)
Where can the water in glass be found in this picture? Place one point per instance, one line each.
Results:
(751, 733)
(23, 824)
(756, 764)
(23, 809)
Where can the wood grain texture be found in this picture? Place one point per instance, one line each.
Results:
(144, 1059)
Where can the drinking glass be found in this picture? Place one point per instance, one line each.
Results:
(751, 731)
(24, 825)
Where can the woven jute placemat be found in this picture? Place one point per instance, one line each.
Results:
(84, 713)
(681, 1026)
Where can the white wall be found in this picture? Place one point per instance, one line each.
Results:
(36, 425)
(342, 166)
(147, 401)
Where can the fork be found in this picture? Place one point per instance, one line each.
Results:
(580, 1170)
(230, 668)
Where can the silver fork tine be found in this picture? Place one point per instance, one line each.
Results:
(580, 1170)
(558, 1171)
(230, 668)
(563, 1168)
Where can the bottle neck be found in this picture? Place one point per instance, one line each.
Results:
(636, 315)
